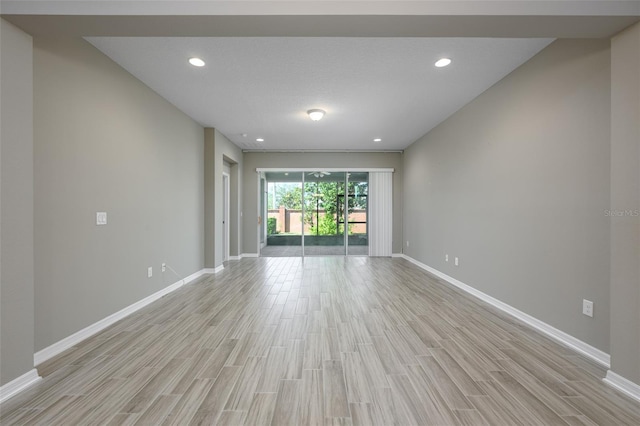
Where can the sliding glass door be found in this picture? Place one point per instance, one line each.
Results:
(357, 214)
(325, 233)
(316, 213)
(284, 215)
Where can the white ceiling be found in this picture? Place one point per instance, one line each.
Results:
(271, 60)
(370, 87)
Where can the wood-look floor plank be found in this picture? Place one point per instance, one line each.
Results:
(312, 358)
(463, 381)
(294, 359)
(358, 389)
(158, 410)
(388, 357)
(336, 404)
(470, 418)
(409, 400)
(154, 387)
(312, 398)
(373, 369)
(287, 409)
(494, 413)
(231, 418)
(188, 404)
(242, 394)
(538, 389)
(363, 414)
(542, 412)
(261, 410)
(216, 398)
(445, 384)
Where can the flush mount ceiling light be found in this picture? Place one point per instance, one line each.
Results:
(318, 175)
(316, 114)
(442, 62)
(377, 140)
(260, 140)
(196, 62)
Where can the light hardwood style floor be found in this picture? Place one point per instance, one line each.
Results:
(333, 341)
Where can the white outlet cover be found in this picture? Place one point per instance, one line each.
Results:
(149, 272)
(101, 218)
(456, 261)
(587, 307)
(446, 257)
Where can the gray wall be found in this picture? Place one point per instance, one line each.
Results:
(220, 151)
(625, 196)
(253, 160)
(516, 183)
(106, 142)
(16, 203)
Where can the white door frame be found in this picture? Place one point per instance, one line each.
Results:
(226, 197)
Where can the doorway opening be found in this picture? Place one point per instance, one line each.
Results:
(226, 190)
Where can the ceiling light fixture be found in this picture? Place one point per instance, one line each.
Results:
(377, 140)
(260, 140)
(316, 114)
(442, 62)
(196, 62)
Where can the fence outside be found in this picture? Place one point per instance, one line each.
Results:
(290, 221)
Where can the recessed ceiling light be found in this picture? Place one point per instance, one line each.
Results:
(442, 62)
(286, 173)
(316, 114)
(196, 62)
(377, 140)
(260, 140)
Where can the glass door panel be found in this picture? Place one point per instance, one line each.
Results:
(357, 214)
(284, 214)
(323, 217)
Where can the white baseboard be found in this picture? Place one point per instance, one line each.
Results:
(626, 386)
(398, 255)
(213, 270)
(595, 354)
(250, 255)
(19, 384)
(235, 257)
(70, 341)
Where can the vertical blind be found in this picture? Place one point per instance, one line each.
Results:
(380, 213)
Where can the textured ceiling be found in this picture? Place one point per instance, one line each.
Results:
(370, 87)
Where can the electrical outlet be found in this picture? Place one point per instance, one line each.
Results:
(446, 257)
(164, 267)
(149, 272)
(407, 243)
(101, 218)
(587, 307)
(455, 261)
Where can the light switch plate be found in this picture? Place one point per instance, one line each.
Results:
(101, 218)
